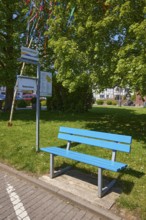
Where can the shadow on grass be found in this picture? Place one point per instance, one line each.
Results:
(127, 186)
(121, 121)
(134, 173)
(22, 115)
(107, 119)
(72, 145)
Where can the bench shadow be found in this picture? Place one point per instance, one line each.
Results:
(134, 173)
(72, 145)
(119, 187)
(91, 178)
(127, 186)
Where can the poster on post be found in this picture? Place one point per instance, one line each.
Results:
(29, 54)
(26, 83)
(45, 84)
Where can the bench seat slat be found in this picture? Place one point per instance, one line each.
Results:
(95, 142)
(101, 135)
(92, 160)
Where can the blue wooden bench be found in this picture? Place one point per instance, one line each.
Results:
(114, 142)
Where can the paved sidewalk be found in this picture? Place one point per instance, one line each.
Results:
(83, 187)
(27, 198)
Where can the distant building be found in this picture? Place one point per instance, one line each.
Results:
(119, 94)
(139, 100)
(114, 93)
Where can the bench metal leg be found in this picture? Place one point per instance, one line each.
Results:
(102, 191)
(54, 173)
(99, 182)
(51, 165)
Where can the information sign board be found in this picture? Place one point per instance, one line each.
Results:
(29, 54)
(26, 83)
(45, 84)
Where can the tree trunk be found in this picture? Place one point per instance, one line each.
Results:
(9, 99)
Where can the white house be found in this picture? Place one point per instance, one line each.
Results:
(110, 93)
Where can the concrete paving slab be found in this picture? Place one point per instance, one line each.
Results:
(83, 186)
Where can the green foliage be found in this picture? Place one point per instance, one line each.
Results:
(9, 41)
(114, 102)
(103, 44)
(28, 102)
(80, 100)
(133, 97)
(10, 29)
(107, 41)
(80, 48)
(33, 100)
(21, 104)
(99, 102)
(109, 102)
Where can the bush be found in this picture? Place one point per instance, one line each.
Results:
(109, 102)
(28, 102)
(99, 102)
(80, 100)
(21, 104)
(33, 100)
(114, 102)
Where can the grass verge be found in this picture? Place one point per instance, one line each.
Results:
(17, 145)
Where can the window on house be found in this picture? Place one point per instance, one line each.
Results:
(101, 96)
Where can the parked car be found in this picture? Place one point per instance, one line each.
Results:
(129, 103)
(2, 97)
(28, 97)
(18, 97)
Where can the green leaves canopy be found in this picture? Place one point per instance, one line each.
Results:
(10, 29)
(102, 43)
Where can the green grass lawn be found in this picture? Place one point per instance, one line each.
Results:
(17, 145)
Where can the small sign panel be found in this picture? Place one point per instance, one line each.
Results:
(26, 83)
(29, 54)
(45, 84)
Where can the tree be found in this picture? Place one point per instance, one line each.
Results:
(22, 23)
(99, 42)
(131, 65)
(102, 42)
(10, 29)
(80, 100)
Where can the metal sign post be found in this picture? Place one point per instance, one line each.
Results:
(38, 98)
(38, 109)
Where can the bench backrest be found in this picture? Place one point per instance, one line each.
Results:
(115, 142)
